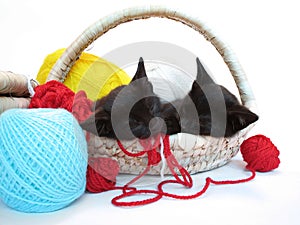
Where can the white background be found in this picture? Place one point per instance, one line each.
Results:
(265, 36)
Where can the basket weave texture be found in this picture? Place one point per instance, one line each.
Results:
(194, 153)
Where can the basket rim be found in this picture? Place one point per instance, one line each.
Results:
(63, 65)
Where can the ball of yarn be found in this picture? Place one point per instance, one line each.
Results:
(260, 153)
(43, 159)
(91, 73)
(54, 94)
(101, 174)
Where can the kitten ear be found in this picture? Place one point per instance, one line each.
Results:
(140, 72)
(202, 76)
(240, 117)
(98, 123)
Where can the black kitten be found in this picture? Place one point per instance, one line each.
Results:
(125, 113)
(208, 109)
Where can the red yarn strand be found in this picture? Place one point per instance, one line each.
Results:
(173, 163)
(150, 163)
(138, 154)
(258, 151)
(116, 199)
(126, 186)
(185, 181)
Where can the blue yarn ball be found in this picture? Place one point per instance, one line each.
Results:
(43, 159)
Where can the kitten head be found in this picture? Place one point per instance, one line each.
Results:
(99, 123)
(220, 113)
(127, 112)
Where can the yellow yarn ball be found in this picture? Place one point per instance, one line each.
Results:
(95, 75)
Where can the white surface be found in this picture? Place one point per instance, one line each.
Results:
(265, 36)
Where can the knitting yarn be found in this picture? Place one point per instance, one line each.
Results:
(101, 174)
(43, 159)
(260, 153)
(54, 94)
(91, 73)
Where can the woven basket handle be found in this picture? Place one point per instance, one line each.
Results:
(67, 60)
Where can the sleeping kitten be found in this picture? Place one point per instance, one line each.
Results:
(127, 112)
(219, 113)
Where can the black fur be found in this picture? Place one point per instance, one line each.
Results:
(219, 112)
(144, 106)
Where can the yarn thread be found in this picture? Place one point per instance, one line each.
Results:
(186, 181)
(153, 156)
(101, 174)
(260, 153)
(91, 73)
(54, 94)
(43, 159)
(259, 143)
(31, 83)
(163, 160)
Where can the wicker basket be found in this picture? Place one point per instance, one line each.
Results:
(194, 153)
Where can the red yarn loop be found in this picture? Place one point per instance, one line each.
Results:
(186, 181)
(151, 147)
(260, 153)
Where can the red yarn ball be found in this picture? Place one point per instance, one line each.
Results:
(101, 174)
(82, 106)
(260, 153)
(52, 94)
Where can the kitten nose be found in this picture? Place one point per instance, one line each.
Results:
(157, 125)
